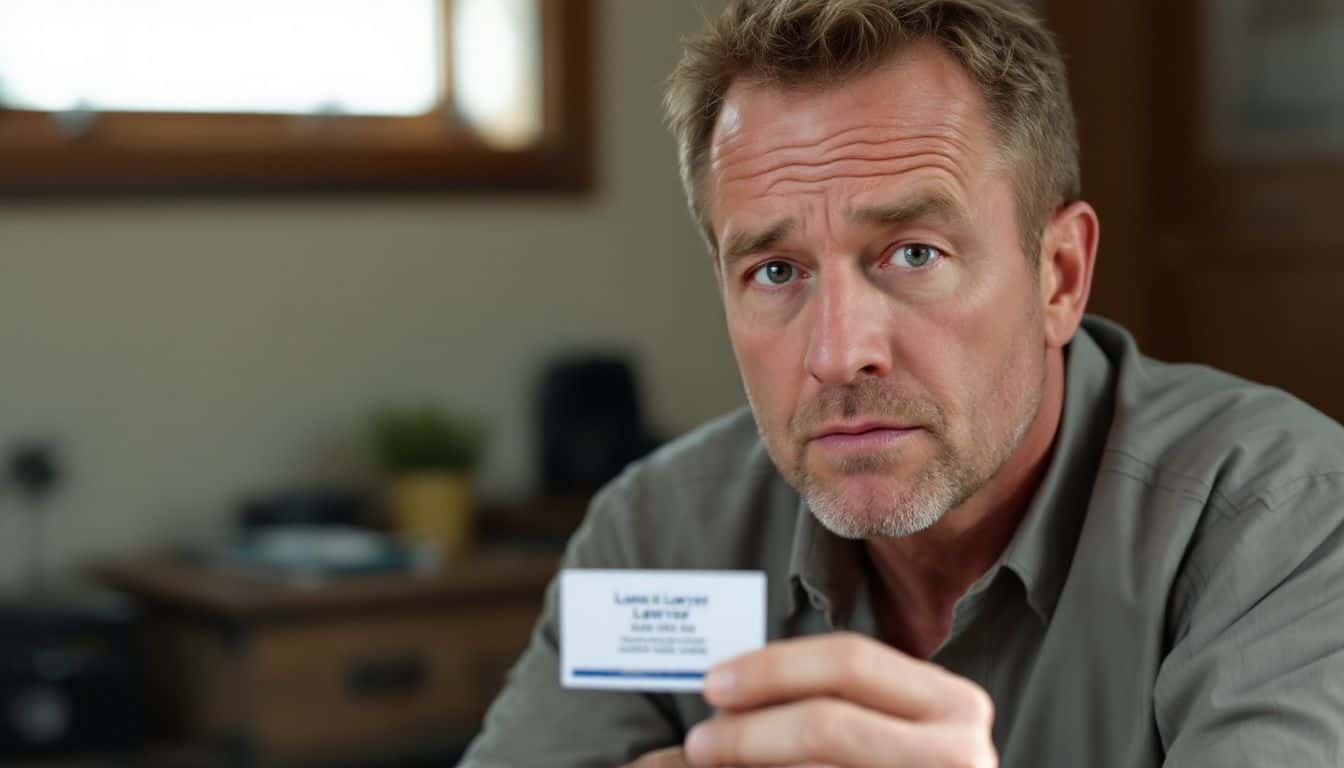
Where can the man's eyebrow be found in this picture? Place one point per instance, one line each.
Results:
(933, 206)
(745, 243)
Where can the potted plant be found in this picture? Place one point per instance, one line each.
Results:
(429, 456)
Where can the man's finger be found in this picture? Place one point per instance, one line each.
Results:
(845, 666)
(672, 757)
(819, 731)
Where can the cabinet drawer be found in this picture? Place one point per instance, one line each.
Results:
(320, 688)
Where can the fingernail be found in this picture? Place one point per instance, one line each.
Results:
(699, 741)
(719, 681)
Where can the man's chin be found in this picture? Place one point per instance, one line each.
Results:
(862, 511)
(864, 524)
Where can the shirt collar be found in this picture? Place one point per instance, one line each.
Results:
(824, 569)
(1041, 551)
(827, 570)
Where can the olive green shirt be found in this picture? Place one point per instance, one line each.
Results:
(1173, 596)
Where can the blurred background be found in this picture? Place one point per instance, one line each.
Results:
(321, 321)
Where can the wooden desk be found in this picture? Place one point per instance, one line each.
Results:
(273, 673)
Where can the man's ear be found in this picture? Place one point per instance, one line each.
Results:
(1068, 255)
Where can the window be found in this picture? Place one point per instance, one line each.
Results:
(166, 94)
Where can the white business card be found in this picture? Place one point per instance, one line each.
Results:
(655, 630)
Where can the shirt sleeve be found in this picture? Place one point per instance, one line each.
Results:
(535, 722)
(1255, 675)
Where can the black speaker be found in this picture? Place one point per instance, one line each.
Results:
(69, 682)
(591, 423)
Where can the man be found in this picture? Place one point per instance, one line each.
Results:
(994, 533)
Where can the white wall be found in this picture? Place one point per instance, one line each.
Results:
(190, 352)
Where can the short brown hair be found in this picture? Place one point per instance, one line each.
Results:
(1007, 52)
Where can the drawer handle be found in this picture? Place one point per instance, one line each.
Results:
(386, 676)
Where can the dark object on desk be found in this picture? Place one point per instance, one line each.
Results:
(309, 553)
(591, 423)
(318, 507)
(69, 682)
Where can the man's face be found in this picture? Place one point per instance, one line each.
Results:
(886, 323)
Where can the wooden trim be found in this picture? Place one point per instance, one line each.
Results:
(159, 152)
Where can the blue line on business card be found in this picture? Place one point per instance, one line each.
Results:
(660, 674)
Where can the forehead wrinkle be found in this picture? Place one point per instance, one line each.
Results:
(852, 177)
(865, 168)
(902, 154)
(778, 163)
(895, 131)
(738, 141)
(769, 155)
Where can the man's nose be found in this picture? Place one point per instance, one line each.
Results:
(848, 338)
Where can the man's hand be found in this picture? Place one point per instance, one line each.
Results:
(840, 700)
(672, 757)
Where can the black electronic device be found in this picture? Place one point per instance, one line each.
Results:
(69, 683)
(303, 507)
(591, 423)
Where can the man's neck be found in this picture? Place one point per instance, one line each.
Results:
(918, 579)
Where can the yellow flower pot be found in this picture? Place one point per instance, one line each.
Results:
(434, 508)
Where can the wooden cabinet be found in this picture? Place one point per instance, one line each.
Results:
(268, 673)
(1213, 147)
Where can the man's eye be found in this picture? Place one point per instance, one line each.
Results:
(775, 273)
(915, 255)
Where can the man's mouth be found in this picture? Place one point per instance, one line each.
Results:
(861, 437)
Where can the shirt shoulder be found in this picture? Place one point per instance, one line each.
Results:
(1247, 480)
(710, 499)
(1215, 435)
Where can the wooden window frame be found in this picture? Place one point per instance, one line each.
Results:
(171, 152)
